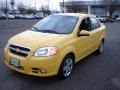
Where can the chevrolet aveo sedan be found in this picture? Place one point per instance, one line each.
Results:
(55, 44)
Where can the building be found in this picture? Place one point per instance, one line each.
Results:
(95, 7)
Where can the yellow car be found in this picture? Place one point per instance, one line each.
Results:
(55, 44)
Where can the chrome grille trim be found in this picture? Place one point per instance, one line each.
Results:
(19, 50)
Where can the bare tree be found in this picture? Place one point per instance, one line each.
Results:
(31, 11)
(12, 2)
(75, 7)
(21, 7)
(3, 7)
(45, 10)
(112, 6)
(4, 10)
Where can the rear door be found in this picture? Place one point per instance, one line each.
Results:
(95, 33)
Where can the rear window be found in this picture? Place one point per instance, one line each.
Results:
(94, 23)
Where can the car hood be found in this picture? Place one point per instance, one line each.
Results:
(33, 39)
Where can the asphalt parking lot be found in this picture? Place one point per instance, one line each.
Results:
(95, 72)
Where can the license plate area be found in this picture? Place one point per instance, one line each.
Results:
(15, 63)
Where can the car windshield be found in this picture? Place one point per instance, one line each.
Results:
(57, 24)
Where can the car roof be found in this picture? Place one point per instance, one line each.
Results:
(76, 14)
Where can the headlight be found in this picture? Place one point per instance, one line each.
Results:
(46, 51)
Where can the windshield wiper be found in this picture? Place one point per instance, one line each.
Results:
(36, 29)
(45, 31)
(50, 31)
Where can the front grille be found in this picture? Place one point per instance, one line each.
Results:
(19, 50)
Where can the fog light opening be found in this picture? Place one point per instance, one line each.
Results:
(41, 70)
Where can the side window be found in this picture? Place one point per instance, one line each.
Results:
(94, 23)
(85, 24)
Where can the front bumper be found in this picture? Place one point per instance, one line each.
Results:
(36, 66)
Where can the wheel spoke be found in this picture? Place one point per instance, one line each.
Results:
(68, 67)
(101, 47)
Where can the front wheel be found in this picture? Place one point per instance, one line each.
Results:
(66, 67)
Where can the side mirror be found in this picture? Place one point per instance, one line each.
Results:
(84, 33)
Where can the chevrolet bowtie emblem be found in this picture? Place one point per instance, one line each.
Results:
(17, 50)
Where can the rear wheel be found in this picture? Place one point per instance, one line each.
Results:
(66, 67)
(100, 48)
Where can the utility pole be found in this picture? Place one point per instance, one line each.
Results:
(35, 7)
(48, 4)
(94, 5)
(52, 4)
(12, 2)
(63, 6)
(6, 10)
(107, 3)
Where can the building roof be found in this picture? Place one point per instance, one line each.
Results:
(85, 3)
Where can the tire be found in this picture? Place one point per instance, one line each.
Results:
(100, 48)
(66, 67)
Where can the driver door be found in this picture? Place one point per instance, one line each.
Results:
(83, 42)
